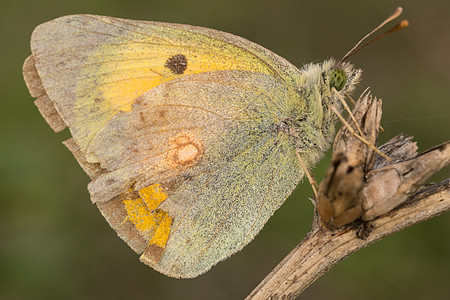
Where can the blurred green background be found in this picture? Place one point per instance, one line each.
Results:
(56, 245)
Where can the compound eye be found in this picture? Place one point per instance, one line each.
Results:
(337, 78)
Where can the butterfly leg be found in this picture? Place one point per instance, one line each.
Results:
(349, 97)
(344, 103)
(359, 137)
(311, 179)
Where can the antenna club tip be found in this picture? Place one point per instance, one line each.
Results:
(399, 26)
(397, 12)
(404, 23)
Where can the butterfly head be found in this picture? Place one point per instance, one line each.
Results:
(336, 77)
(322, 79)
(341, 76)
(320, 85)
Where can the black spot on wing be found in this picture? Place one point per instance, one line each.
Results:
(177, 64)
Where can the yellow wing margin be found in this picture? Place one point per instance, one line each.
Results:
(91, 66)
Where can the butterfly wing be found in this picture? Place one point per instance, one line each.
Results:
(177, 127)
(91, 67)
(215, 166)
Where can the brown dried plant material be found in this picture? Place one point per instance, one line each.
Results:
(393, 184)
(339, 195)
(359, 183)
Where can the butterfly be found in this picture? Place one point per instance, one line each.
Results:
(190, 136)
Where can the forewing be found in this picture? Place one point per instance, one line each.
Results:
(92, 67)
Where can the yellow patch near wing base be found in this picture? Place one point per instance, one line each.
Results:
(153, 223)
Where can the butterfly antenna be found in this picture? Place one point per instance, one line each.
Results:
(403, 24)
